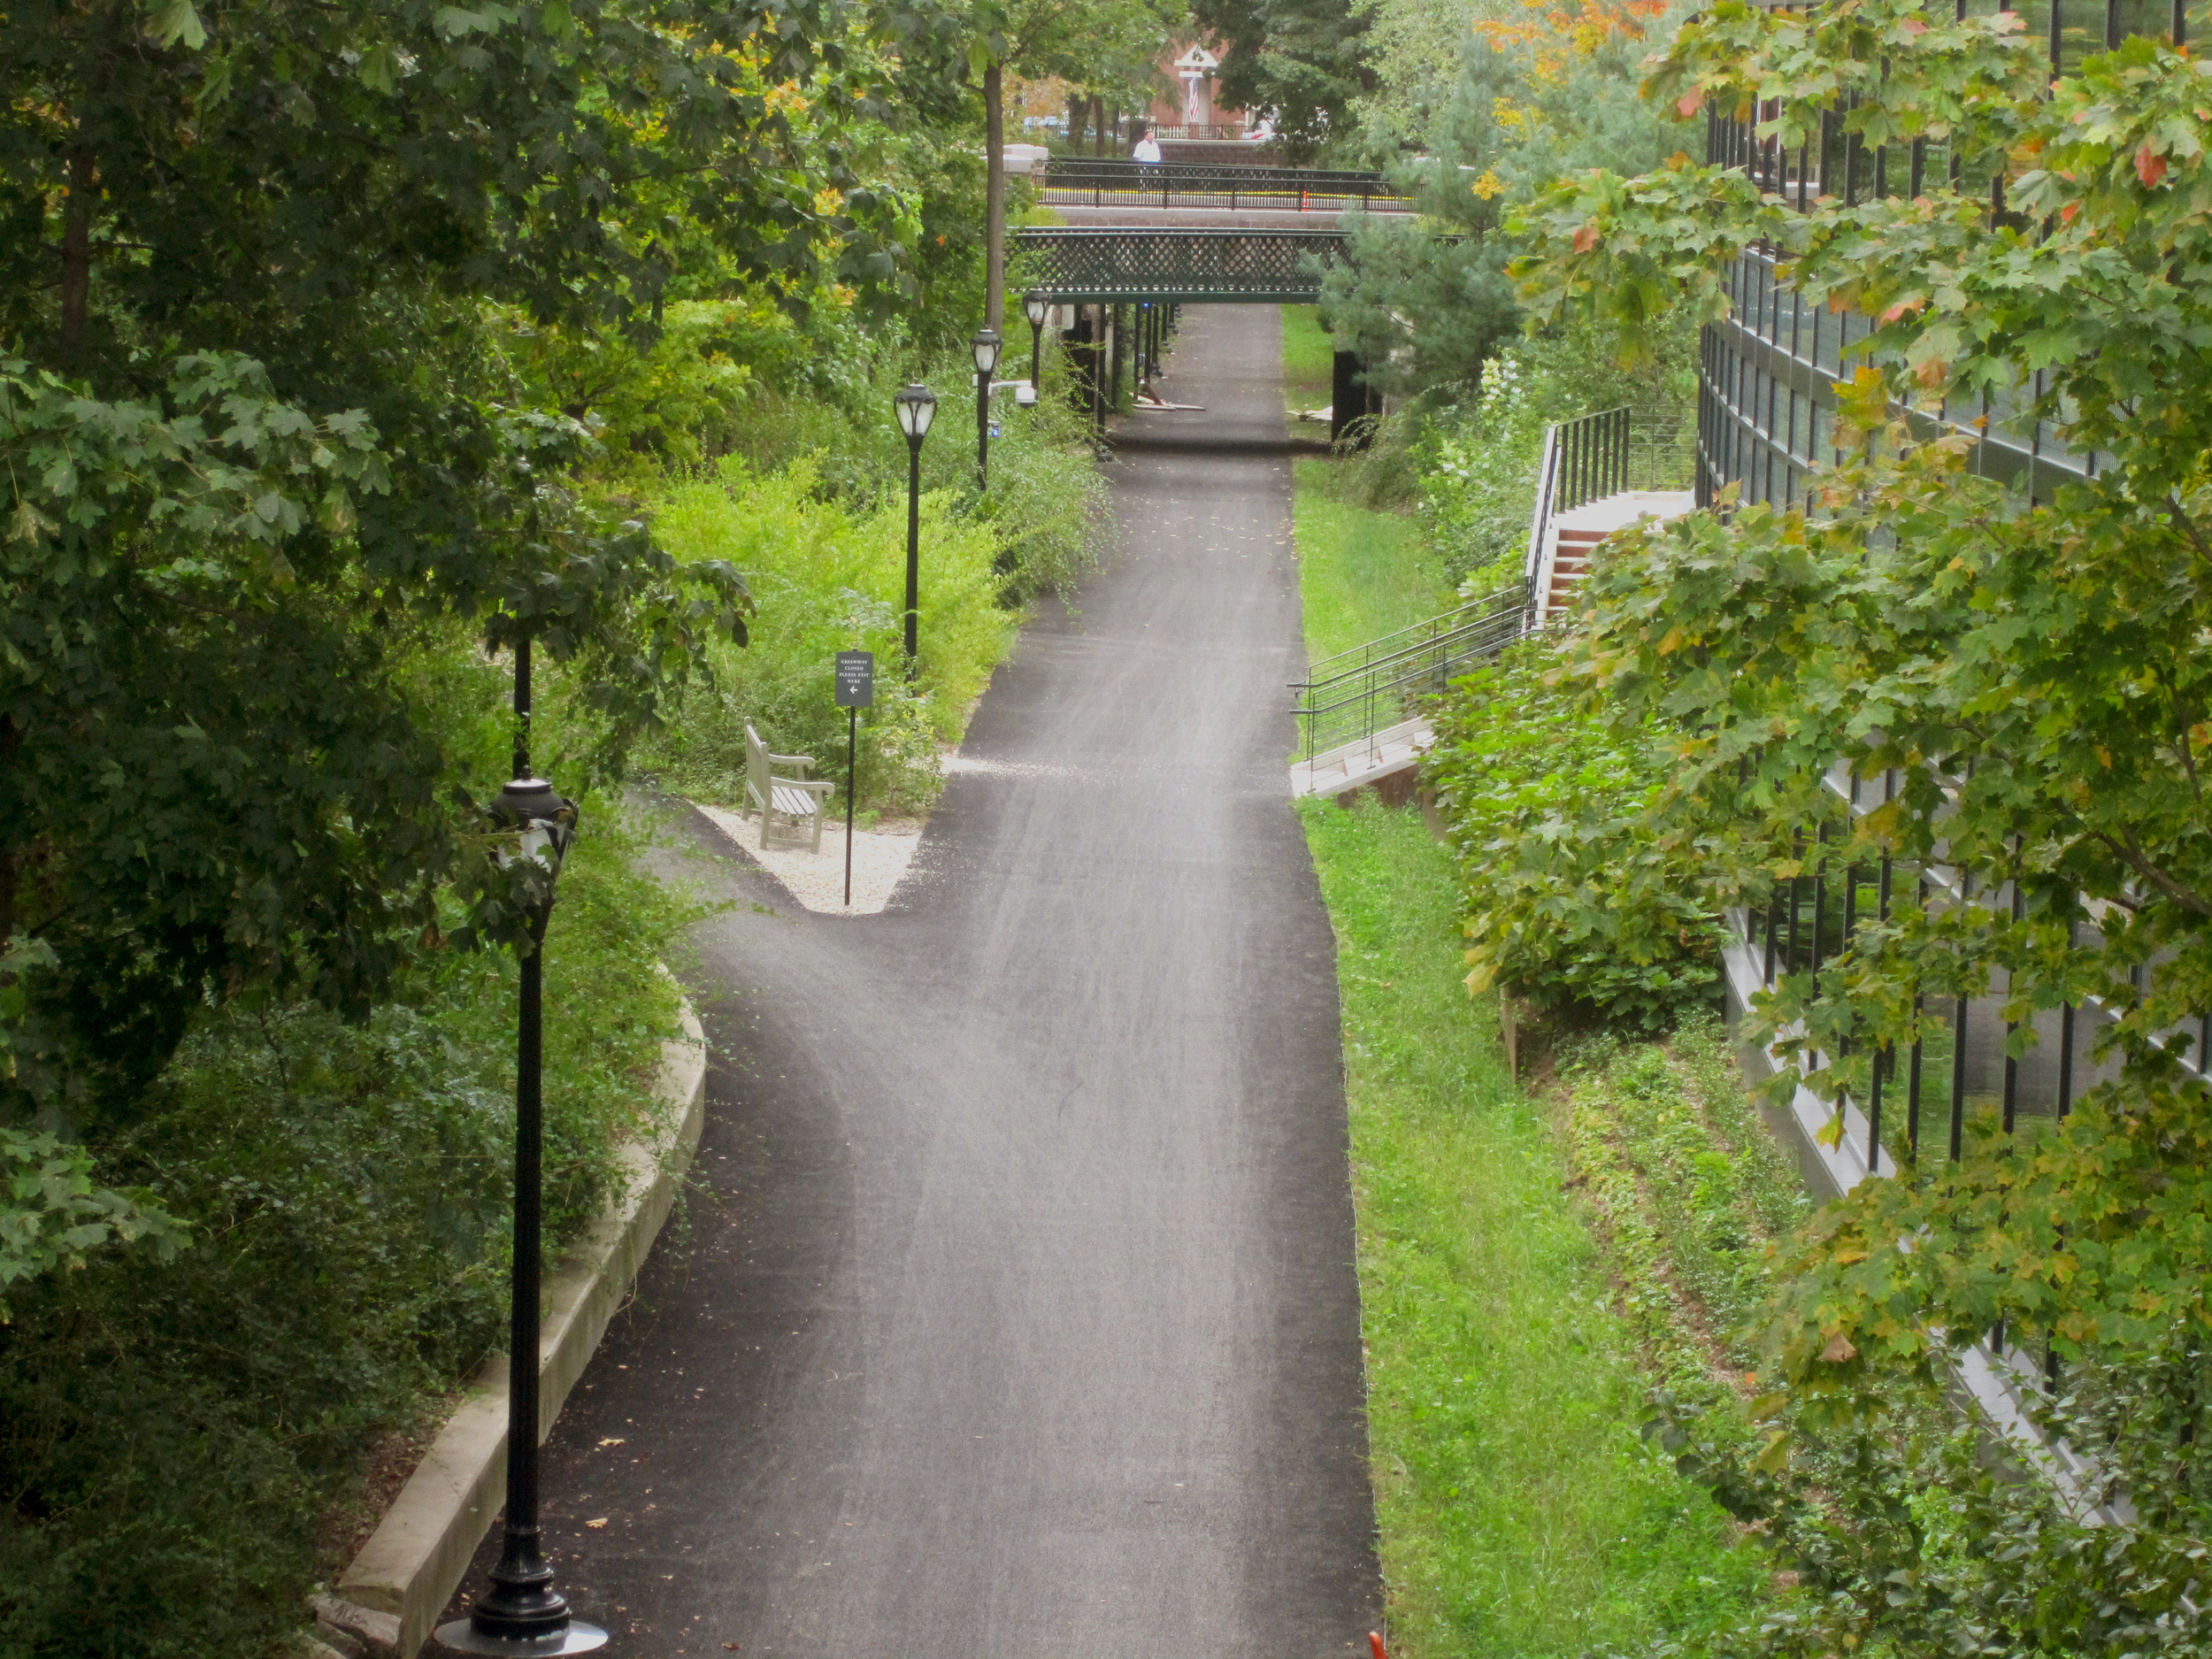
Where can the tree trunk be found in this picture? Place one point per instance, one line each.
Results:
(76, 257)
(10, 860)
(1098, 122)
(1079, 123)
(994, 195)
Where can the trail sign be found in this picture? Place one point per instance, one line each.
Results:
(856, 691)
(855, 679)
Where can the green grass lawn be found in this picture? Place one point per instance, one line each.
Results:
(1362, 573)
(1308, 362)
(1520, 1513)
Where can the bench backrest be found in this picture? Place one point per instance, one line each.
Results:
(757, 764)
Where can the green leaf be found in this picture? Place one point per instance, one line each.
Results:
(170, 22)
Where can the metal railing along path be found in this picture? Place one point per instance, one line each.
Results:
(1350, 698)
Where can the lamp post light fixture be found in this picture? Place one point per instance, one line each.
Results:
(916, 406)
(985, 345)
(1035, 307)
(522, 1613)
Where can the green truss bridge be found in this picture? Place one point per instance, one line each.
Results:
(1176, 266)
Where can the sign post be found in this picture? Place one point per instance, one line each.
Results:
(856, 691)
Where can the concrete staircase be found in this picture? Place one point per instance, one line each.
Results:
(1568, 538)
(1374, 760)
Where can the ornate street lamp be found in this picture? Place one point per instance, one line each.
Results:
(985, 345)
(916, 406)
(522, 1613)
(1035, 307)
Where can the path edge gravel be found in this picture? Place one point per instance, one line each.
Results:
(388, 1599)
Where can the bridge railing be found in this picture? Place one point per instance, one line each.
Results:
(1107, 183)
(1086, 264)
(1350, 698)
(1202, 129)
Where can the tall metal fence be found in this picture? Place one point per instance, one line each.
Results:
(1350, 698)
(1970, 1061)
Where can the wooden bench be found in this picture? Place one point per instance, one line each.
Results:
(798, 800)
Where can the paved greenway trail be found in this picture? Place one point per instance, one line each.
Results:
(1019, 1319)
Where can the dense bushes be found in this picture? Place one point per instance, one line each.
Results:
(176, 1435)
(1571, 899)
(830, 579)
(1479, 457)
(811, 504)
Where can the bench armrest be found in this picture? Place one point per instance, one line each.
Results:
(790, 760)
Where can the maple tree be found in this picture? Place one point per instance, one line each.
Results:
(264, 454)
(2029, 676)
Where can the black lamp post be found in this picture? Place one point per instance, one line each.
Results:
(916, 407)
(985, 345)
(1034, 306)
(522, 1613)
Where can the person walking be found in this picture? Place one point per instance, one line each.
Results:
(1146, 150)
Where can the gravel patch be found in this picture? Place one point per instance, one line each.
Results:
(817, 881)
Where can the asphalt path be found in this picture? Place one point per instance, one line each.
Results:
(1015, 1312)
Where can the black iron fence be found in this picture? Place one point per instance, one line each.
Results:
(1584, 460)
(1971, 1061)
(1110, 184)
(1350, 698)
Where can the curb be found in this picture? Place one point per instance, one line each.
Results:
(388, 1599)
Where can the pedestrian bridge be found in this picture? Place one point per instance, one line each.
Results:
(1183, 234)
(1174, 266)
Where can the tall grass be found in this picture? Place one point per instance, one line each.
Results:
(1520, 1512)
(811, 505)
(828, 579)
(1363, 572)
(1308, 360)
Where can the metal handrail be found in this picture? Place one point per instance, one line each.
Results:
(1587, 460)
(1349, 703)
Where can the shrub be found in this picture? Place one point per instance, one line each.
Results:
(1479, 477)
(173, 1433)
(1047, 503)
(1571, 899)
(828, 580)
